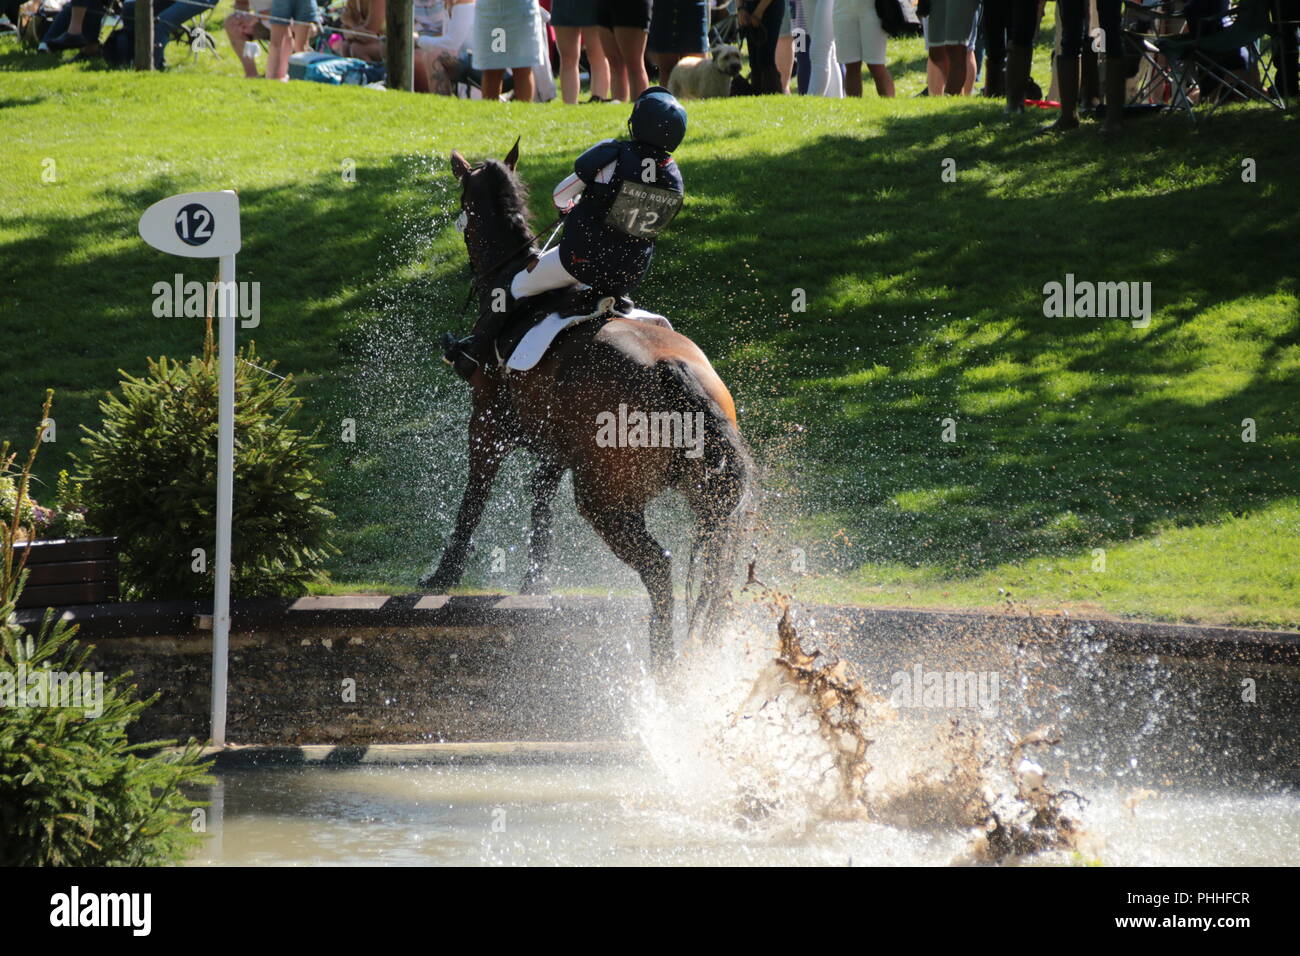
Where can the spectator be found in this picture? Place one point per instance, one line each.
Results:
(678, 28)
(949, 25)
(799, 41)
(438, 58)
(245, 26)
(571, 18)
(760, 23)
(604, 37)
(819, 16)
(860, 38)
(785, 44)
(628, 22)
(508, 35)
(1009, 29)
(1074, 34)
(76, 26)
(291, 25)
(167, 17)
(596, 39)
(368, 17)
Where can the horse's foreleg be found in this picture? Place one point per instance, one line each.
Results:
(625, 533)
(546, 480)
(484, 460)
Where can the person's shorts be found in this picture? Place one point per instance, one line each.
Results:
(574, 13)
(299, 11)
(623, 13)
(679, 26)
(950, 23)
(508, 35)
(859, 37)
(787, 21)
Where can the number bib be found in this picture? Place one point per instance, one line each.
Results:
(643, 211)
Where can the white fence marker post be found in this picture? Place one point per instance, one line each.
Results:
(206, 226)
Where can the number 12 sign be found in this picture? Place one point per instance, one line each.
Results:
(206, 226)
(195, 225)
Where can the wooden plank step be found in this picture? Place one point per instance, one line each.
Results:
(75, 549)
(71, 572)
(61, 595)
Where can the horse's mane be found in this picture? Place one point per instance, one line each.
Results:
(511, 196)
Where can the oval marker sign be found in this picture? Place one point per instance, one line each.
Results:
(196, 225)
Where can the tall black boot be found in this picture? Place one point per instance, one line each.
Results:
(995, 80)
(1018, 60)
(1067, 76)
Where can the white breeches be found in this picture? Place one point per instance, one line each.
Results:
(549, 273)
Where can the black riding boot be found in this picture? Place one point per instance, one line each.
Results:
(478, 348)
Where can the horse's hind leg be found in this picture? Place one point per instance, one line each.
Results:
(546, 479)
(625, 533)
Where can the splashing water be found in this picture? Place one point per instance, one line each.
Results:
(771, 737)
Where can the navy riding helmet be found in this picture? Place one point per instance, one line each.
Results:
(658, 118)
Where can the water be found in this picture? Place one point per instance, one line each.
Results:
(755, 752)
(611, 815)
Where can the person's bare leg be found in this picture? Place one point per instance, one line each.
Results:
(238, 40)
(785, 60)
(524, 84)
(971, 69)
(277, 54)
(77, 20)
(631, 48)
(301, 34)
(492, 84)
(936, 70)
(956, 54)
(853, 79)
(569, 40)
(884, 82)
(617, 68)
(599, 63)
(420, 74)
(665, 62)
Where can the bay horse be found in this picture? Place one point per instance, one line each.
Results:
(592, 371)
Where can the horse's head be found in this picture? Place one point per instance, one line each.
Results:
(493, 209)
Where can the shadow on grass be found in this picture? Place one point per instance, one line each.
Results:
(924, 302)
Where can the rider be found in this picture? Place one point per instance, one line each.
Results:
(629, 190)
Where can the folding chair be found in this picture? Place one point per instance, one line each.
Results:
(1192, 60)
(196, 35)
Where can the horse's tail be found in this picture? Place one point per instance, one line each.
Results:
(721, 488)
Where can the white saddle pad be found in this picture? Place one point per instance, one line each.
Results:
(538, 339)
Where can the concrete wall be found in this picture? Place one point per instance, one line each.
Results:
(1153, 701)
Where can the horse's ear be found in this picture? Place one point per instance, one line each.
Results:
(512, 157)
(459, 165)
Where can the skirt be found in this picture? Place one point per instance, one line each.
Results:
(508, 35)
(679, 26)
(573, 13)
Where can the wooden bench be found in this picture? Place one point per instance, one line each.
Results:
(63, 573)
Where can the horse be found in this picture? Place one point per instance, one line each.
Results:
(593, 371)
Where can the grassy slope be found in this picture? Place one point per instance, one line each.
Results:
(924, 303)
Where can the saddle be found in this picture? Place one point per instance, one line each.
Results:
(575, 301)
(529, 331)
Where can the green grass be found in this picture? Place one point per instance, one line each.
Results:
(924, 302)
